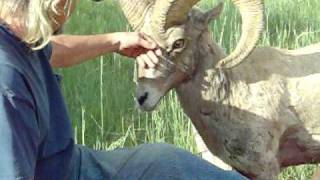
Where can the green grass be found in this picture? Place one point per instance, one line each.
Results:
(100, 93)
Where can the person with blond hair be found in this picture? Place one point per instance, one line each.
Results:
(36, 139)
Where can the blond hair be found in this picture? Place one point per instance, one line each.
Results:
(38, 16)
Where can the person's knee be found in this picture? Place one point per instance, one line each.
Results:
(168, 156)
(175, 162)
(158, 150)
(162, 153)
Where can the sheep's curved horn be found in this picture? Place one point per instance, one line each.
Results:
(252, 13)
(60, 11)
(135, 11)
(167, 13)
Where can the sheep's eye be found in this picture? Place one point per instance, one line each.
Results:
(178, 44)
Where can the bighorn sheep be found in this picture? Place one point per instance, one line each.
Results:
(258, 110)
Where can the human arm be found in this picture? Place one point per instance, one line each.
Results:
(19, 134)
(70, 50)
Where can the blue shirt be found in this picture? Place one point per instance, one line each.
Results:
(36, 138)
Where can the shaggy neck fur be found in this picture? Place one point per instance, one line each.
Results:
(248, 116)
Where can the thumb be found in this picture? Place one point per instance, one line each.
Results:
(146, 42)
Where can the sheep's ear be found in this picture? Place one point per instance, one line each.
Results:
(212, 14)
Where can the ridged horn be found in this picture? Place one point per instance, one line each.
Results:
(167, 13)
(252, 14)
(60, 12)
(135, 11)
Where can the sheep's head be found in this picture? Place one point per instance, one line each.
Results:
(177, 27)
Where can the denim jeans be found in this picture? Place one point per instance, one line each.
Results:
(145, 162)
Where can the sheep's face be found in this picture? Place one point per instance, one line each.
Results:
(180, 50)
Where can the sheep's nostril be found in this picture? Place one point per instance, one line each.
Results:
(143, 98)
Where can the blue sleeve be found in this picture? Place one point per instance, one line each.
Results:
(19, 133)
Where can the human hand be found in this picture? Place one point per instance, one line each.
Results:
(139, 46)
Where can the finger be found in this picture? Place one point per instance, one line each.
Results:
(153, 57)
(158, 52)
(146, 42)
(145, 37)
(141, 62)
(147, 61)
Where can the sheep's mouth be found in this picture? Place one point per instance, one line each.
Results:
(142, 99)
(147, 101)
(150, 91)
(148, 94)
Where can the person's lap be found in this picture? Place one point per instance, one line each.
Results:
(149, 162)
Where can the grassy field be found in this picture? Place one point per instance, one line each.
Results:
(100, 93)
